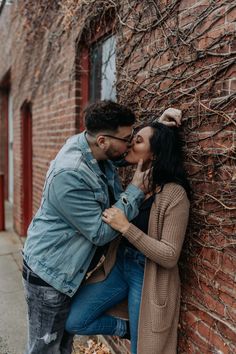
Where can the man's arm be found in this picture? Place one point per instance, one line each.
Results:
(81, 207)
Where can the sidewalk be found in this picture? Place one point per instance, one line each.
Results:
(12, 303)
(13, 325)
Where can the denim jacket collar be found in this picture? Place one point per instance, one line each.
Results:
(92, 162)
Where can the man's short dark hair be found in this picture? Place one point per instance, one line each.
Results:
(107, 115)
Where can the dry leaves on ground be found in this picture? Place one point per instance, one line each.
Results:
(90, 347)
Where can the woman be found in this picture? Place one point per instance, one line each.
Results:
(141, 265)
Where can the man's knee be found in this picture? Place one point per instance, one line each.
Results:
(49, 337)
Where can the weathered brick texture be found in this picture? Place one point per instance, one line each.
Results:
(169, 53)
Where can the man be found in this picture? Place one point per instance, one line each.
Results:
(67, 232)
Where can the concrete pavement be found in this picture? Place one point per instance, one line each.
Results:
(13, 325)
(12, 303)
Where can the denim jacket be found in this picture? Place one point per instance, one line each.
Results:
(67, 228)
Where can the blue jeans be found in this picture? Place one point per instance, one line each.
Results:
(88, 316)
(47, 313)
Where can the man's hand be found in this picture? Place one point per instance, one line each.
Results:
(171, 117)
(140, 178)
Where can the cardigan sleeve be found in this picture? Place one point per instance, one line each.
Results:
(164, 249)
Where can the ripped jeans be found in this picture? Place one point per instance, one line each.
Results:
(47, 312)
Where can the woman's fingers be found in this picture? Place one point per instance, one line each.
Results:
(116, 219)
(139, 175)
(111, 213)
(171, 117)
(139, 166)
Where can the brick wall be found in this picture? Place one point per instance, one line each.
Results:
(3, 135)
(40, 75)
(182, 54)
(169, 53)
(5, 63)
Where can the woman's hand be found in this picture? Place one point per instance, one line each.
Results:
(171, 117)
(116, 219)
(140, 178)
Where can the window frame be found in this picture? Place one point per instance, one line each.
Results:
(83, 70)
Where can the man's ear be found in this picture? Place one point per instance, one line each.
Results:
(102, 142)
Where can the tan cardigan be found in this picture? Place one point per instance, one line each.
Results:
(159, 312)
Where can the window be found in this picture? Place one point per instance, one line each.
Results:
(6, 2)
(102, 78)
(95, 74)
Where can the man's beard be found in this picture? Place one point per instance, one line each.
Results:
(110, 155)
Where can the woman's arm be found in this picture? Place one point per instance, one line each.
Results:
(165, 251)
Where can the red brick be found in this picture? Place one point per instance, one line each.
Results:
(189, 3)
(205, 328)
(221, 140)
(232, 85)
(227, 333)
(231, 15)
(228, 263)
(190, 318)
(207, 40)
(217, 341)
(197, 340)
(233, 46)
(186, 17)
(215, 19)
(212, 256)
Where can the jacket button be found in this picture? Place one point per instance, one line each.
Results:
(81, 270)
(124, 200)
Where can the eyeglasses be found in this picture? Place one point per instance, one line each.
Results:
(126, 140)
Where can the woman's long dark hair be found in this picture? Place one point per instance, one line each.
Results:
(167, 165)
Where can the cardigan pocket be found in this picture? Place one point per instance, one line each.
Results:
(161, 317)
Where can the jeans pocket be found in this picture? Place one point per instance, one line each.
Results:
(53, 297)
(141, 262)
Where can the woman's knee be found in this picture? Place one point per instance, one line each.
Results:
(75, 325)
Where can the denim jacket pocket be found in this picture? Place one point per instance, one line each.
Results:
(59, 250)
